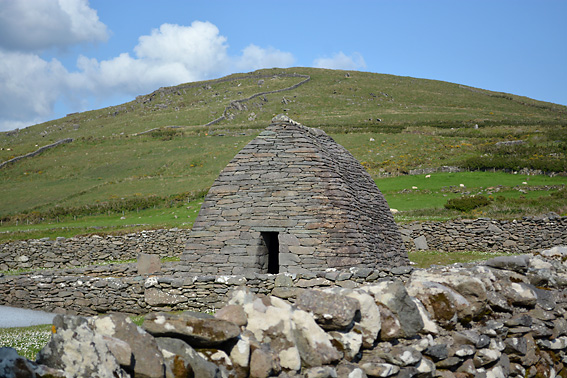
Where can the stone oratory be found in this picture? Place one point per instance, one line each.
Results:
(293, 200)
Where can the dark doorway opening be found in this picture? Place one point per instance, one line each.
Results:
(273, 246)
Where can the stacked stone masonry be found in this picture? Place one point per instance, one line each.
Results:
(485, 235)
(293, 188)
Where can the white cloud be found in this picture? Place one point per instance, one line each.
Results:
(254, 57)
(30, 87)
(170, 55)
(29, 25)
(340, 61)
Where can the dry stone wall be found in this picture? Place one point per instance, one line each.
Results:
(119, 287)
(487, 235)
(94, 249)
(505, 317)
(533, 234)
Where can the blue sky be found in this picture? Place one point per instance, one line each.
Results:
(63, 56)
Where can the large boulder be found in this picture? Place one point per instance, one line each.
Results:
(394, 296)
(184, 361)
(445, 305)
(314, 344)
(147, 360)
(196, 330)
(331, 311)
(79, 351)
(370, 322)
(463, 281)
(270, 321)
(12, 365)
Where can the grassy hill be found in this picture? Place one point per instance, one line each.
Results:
(160, 150)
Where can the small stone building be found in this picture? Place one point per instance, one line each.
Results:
(293, 200)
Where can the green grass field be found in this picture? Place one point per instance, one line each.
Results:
(390, 124)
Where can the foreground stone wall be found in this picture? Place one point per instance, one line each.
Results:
(501, 318)
(118, 287)
(532, 234)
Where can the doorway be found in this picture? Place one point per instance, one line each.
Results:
(273, 246)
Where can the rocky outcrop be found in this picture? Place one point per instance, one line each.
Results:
(504, 317)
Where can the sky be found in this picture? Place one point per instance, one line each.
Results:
(65, 56)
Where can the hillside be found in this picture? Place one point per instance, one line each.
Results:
(163, 144)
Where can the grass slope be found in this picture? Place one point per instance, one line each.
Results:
(423, 123)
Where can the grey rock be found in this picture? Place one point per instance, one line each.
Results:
(313, 343)
(232, 313)
(379, 369)
(483, 342)
(197, 332)
(517, 370)
(147, 360)
(401, 356)
(76, 349)
(494, 328)
(263, 363)
(394, 295)
(285, 292)
(485, 357)
(320, 372)
(467, 337)
(516, 345)
(437, 352)
(408, 372)
(370, 322)
(449, 363)
(545, 298)
(498, 302)
(556, 344)
(219, 358)
(421, 243)
(557, 252)
(501, 369)
(515, 263)
(425, 368)
(121, 350)
(443, 303)
(523, 320)
(283, 280)
(391, 327)
(519, 294)
(270, 322)
(347, 343)
(349, 370)
(463, 350)
(559, 328)
(12, 365)
(331, 311)
(184, 361)
(468, 367)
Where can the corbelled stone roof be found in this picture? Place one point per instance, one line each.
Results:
(298, 184)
